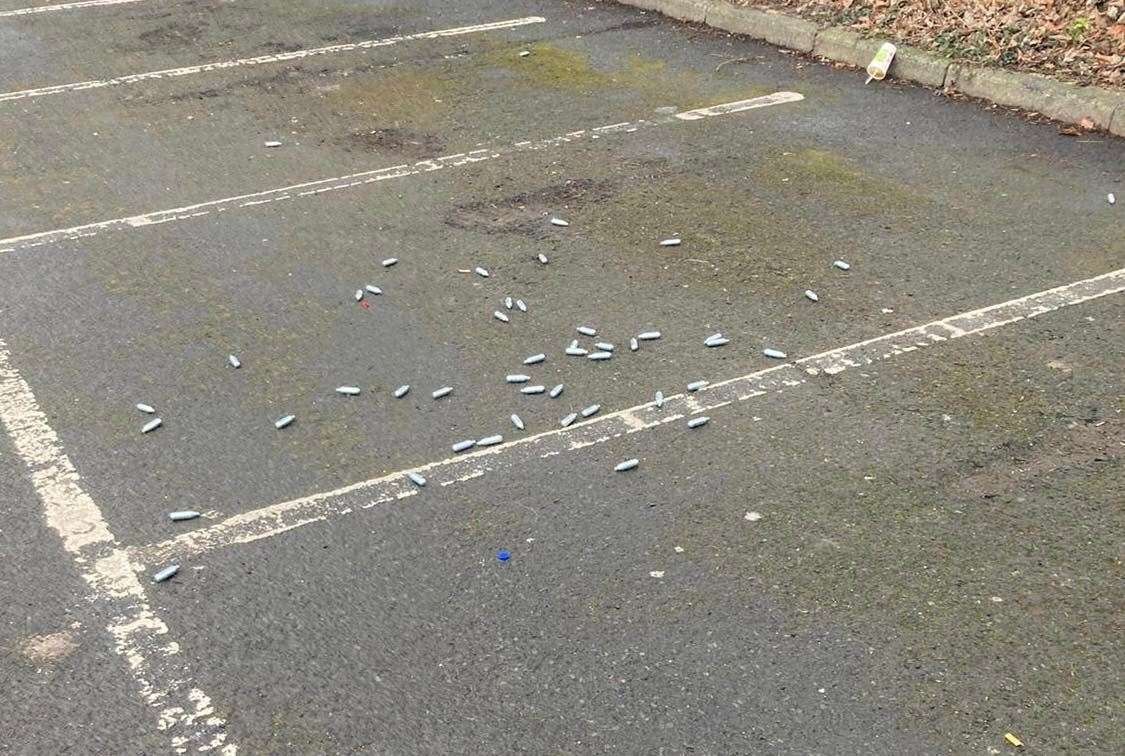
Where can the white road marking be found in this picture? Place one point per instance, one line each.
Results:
(168, 73)
(336, 183)
(138, 634)
(279, 518)
(37, 9)
(740, 106)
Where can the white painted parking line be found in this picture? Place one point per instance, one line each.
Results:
(168, 73)
(138, 634)
(336, 183)
(37, 9)
(279, 518)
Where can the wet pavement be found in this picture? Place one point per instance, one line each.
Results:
(937, 557)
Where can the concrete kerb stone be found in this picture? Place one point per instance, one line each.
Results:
(775, 28)
(682, 10)
(1054, 99)
(1117, 123)
(922, 67)
(845, 46)
(1061, 101)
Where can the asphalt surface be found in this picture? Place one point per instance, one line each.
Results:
(938, 557)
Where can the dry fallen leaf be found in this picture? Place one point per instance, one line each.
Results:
(1073, 40)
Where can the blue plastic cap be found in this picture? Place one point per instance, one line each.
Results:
(503, 555)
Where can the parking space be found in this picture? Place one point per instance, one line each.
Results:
(929, 501)
(901, 577)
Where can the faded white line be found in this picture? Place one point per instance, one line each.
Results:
(37, 9)
(278, 518)
(138, 634)
(337, 183)
(726, 108)
(168, 73)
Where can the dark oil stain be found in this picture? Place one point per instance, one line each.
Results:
(274, 46)
(1018, 464)
(266, 83)
(523, 213)
(359, 33)
(406, 142)
(171, 35)
(637, 23)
